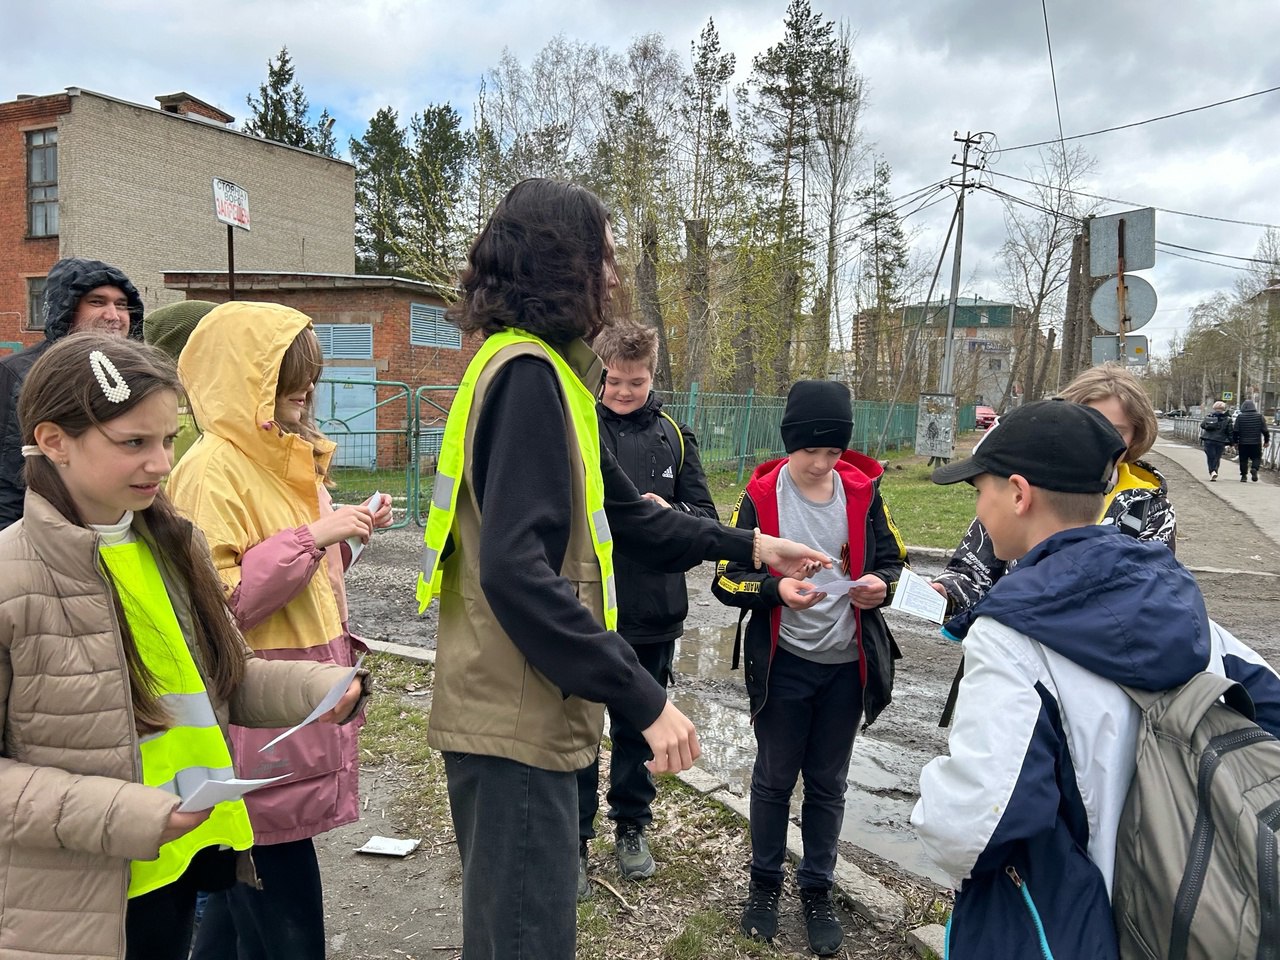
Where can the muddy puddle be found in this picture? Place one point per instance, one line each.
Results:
(883, 773)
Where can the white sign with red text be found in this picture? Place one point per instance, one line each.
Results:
(231, 203)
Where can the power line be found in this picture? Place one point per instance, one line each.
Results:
(1053, 75)
(1214, 263)
(1139, 123)
(1214, 253)
(1135, 203)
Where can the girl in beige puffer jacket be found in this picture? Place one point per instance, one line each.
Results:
(120, 668)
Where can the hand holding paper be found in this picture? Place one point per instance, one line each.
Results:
(915, 595)
(212, 792)
(331, 699)
(373, 505)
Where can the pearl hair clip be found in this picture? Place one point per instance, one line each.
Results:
(113, 385)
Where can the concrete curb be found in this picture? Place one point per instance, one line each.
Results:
(403, 650)
(867, 897)
(929, 942)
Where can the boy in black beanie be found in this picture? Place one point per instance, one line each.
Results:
(817, 659)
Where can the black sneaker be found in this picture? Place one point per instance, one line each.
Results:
(635, 862)
(760, 915)
(1254, 477)
(821, 923)
(584, 882)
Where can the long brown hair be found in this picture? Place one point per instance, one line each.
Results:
(303, 364)
(61, 389)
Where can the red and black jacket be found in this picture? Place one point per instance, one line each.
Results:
(874, 547)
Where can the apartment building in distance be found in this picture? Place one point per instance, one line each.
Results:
(89, 175)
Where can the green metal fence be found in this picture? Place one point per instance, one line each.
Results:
(389, 434)
(371, 422)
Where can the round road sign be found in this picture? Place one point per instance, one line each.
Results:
(1139, 301)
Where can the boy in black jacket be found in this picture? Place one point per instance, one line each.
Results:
(817, 661)
(661, 459)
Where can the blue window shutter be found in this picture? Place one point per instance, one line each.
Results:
(429, 328)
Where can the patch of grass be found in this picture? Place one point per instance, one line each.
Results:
(926, 514)
(701, 931)
(394, 737)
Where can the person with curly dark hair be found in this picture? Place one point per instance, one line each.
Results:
(527, 507)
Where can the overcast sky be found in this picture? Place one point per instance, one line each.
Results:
(933, 67)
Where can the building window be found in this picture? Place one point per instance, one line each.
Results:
(42, 183)
(994, 364)
(429, 328)
(345, 341)
(35, 303)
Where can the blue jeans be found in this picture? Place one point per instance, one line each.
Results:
(282, 921)
(1213, 454)
(631, 789)
(515, 828)
(806, 726)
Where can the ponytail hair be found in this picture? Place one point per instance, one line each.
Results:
(61, 389)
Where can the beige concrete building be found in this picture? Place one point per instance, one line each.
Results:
(132, 185)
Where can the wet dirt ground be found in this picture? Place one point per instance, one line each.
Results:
(887, 758)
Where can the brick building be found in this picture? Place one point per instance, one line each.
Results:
(386, 329)
(87, 175)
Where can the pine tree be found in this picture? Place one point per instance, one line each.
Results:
(381, 161)
(281, 109)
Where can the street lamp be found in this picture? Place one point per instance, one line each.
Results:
(1239, 363)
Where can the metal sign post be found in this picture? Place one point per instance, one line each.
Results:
(231, 206)
(1120, 242)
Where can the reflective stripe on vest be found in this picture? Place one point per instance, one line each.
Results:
(192, 749)
(444, 498)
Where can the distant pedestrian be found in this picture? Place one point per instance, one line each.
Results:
(79, 295)
(660, 457)
(1215, 434)
(1250, 435)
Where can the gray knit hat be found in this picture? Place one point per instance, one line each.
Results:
(169, 327)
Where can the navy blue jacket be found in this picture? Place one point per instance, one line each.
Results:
(1023, 812)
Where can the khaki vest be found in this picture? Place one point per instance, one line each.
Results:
(488, 699)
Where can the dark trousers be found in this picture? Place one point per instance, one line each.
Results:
(282, 921)
(1250, 457)
(807, 726)
(515, 827)
(631, 789)
(158, 925)
(1213, 454)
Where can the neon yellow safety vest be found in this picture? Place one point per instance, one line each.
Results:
(444, 497)
(192, 750)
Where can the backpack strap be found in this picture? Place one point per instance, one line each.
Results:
(670, 427)
(1185, 706)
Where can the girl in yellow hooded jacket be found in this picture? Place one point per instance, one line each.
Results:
(254, 483)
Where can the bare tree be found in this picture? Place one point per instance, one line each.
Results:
(1036, 255)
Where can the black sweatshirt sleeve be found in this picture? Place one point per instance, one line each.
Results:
(692, 494)
(521, 474)
(739, 584)
(664, 540)
(12, 465)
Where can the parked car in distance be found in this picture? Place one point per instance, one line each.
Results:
(985, 416)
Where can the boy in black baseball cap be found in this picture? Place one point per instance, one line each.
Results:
(1044, 467)
(1024, 812)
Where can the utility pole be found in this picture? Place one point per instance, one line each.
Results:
(969, 140)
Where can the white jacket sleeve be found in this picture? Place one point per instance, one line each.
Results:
(967, 796)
